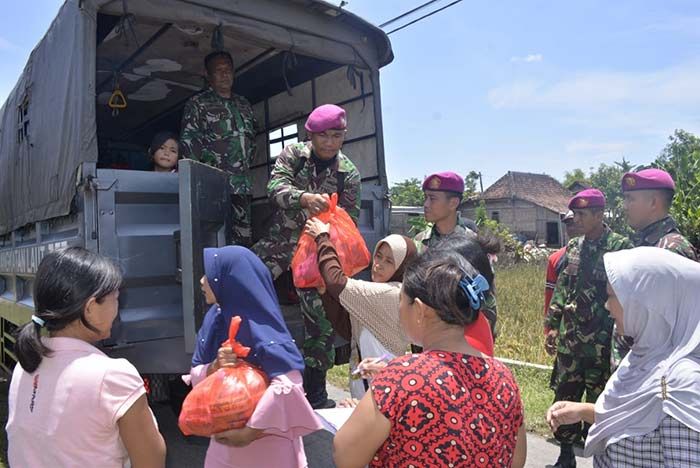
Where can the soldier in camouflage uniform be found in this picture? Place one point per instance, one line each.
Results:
(218, 129)
(580, 326)
(443, 195)
(303, 177)
(648, 198)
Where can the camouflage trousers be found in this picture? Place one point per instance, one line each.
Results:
(620, 347)
(276, 253)
(571, 377)
(319, 336)
(242, 233)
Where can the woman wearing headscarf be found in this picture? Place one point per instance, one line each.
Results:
(649, 413)
(237, 283)
(373, 306)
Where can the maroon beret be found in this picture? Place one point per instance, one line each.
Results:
(648, 179)
(326, 117)
(444, 182)
(589, 198)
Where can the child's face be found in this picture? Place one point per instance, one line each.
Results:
(166, 156)
(615, 308)
(209, 296)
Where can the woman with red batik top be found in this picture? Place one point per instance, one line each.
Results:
(449, 406)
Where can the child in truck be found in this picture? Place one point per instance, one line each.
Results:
(164, 152)
(236, 282)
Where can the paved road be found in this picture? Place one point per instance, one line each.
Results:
(186, 452)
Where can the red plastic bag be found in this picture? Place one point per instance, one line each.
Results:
(347, 240)
(227, 398)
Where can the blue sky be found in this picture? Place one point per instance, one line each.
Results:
(538, 86)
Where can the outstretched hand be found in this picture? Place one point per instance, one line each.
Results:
(315, 228)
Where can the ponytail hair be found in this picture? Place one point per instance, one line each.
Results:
(65, 281)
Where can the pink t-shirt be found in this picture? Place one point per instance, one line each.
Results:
(65, 414)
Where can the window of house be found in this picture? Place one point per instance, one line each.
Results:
(496, 216)
(23, 120)
(280, 137)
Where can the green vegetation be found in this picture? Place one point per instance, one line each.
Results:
(680, 158)
(520, 294)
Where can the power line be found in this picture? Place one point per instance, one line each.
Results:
(403, 15)
(423, 17)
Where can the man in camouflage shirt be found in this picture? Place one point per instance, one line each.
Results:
(302, 179)
(443, 194)
(218, 129)
(579, 326)
(648, 198)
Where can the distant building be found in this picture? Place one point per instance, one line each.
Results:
(400, 216)
(530, 205)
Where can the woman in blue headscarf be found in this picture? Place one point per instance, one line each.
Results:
(237, 283)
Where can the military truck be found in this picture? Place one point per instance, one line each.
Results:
(103, 80)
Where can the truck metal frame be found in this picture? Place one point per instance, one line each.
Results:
(294, 55)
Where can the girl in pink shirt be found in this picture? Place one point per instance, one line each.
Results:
(236, 282)
(69, 404)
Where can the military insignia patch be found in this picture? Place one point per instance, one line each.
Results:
(630, 181)
(582, 203)
(435, 183)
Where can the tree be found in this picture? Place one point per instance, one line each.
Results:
(407, 193)
(577, 175)
(470, 184)
(681, 159)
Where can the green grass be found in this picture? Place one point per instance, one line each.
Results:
(536, 396)
(520, 291)
(338, 376)
(520, 294)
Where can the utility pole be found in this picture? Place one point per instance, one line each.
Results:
(481, 183)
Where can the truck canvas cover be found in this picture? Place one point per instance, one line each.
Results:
(49, 121)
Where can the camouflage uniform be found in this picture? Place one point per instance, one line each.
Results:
(220, 132)
(430, 237)
(665, 235)
(294, 174)
(578, 311)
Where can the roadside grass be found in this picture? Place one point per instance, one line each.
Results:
(520, 295)
(338, 376)
(520, 291)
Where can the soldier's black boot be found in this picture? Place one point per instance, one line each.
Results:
(566, 459)
(315, 388)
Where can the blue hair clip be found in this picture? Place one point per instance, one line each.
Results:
(474, 289)
(39, 321)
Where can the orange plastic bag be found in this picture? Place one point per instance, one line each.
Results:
(347, 240)
(227, 398)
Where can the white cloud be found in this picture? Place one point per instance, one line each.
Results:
(597, 150)
(587, 146)
(6, 45)
(674, 86)
(531, 58)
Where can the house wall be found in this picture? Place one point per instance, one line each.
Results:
(523, 218)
